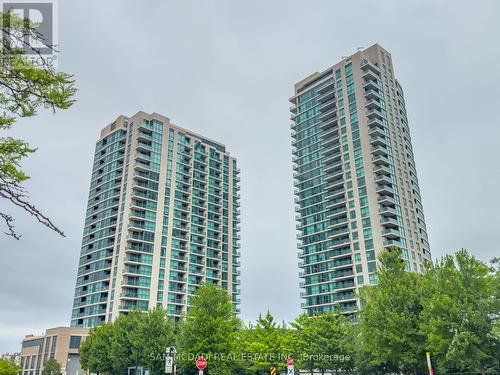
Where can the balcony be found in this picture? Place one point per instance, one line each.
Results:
(374, 113)
(326, 87)
(340, 221)
(341, 274)
(334, 170)
(382, 169)
(328, 115)
(385, 189)
(391, 233)
(367, 65)
(334, 140)
(381, 160)
(373, 94)
(327, 105)
(376, 132)
(330, 123)
(373, 103)
(369, 74)
(383, 179)
(340, 211)
(379, 141)
(334, 183)
(144, 146)
(334, 193)
(371, 84)
(376, 122)
(389, 222)
(325, 97)
(386, 200)
(380, 150)
(336, 202)
(388, 211)
(388, 243)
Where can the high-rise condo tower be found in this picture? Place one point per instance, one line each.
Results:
(162, 219)
(355, 179)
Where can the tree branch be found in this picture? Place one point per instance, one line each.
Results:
(16, 194)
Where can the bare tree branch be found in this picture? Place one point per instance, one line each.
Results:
(8, 221)
(16, 194)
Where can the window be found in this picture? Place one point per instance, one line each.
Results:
(31, 343)
(372, 267)
(74, 342)
(370, 255)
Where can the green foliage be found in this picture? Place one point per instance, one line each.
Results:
(211, 329)
(461, 310)
(155, 333)
(52, 367)
(452, 310)
(267, 344)
(390, 317)
(24, 88)
(136, 338)
(8, 368)
(321, 342)
(94, 350)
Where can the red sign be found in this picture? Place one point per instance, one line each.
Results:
(290, 361)
(201, 363)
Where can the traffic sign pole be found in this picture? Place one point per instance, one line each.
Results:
(290, 368)
(169, 360)
(201, 363)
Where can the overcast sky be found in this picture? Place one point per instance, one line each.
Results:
(226, 69)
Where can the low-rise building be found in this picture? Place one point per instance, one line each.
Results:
(13, 357)
(60, 343)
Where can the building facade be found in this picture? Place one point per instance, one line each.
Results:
(61, 344)
(162, 219)
(355, 179)
(12, 357)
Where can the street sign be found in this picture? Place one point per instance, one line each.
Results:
(290, 371)
(289, 361)
(201, 363)
(169, 364)
(273, 370)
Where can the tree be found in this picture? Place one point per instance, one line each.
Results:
(155, 333)
(211, 329)
(95, 350)
(52, 367)
(319, 342)
(461, 307)
(7, 367)
(267, 345)
(24, 88)
(124, 352)
(137, 338)
(390, 317)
